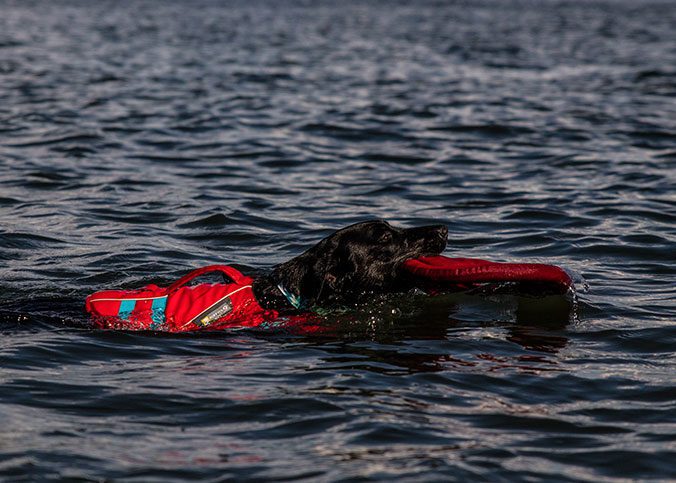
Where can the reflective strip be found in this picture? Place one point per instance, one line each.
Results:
(116, 299)
(126, 308)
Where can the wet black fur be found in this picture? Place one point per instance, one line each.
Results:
(358, 260)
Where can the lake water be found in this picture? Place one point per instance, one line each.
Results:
(141, 139)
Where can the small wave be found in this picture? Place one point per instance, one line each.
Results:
(75, 138)
(27, 241)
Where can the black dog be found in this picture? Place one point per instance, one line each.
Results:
(356, 261)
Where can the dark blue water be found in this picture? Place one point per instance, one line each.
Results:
(139, 140)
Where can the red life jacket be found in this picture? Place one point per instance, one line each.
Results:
(179, 308)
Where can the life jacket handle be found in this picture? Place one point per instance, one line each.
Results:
(232, 273)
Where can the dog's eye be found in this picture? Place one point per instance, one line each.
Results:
(385, 237)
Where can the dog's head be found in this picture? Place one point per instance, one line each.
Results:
(359, 259)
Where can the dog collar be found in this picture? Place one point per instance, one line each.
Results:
(295, 301)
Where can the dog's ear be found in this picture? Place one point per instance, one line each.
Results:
(330, 280)
(338, 273)
(336, 287)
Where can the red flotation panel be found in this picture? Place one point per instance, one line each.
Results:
(445, 274)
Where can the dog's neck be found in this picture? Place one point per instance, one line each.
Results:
(280, 291)
(296, 285)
